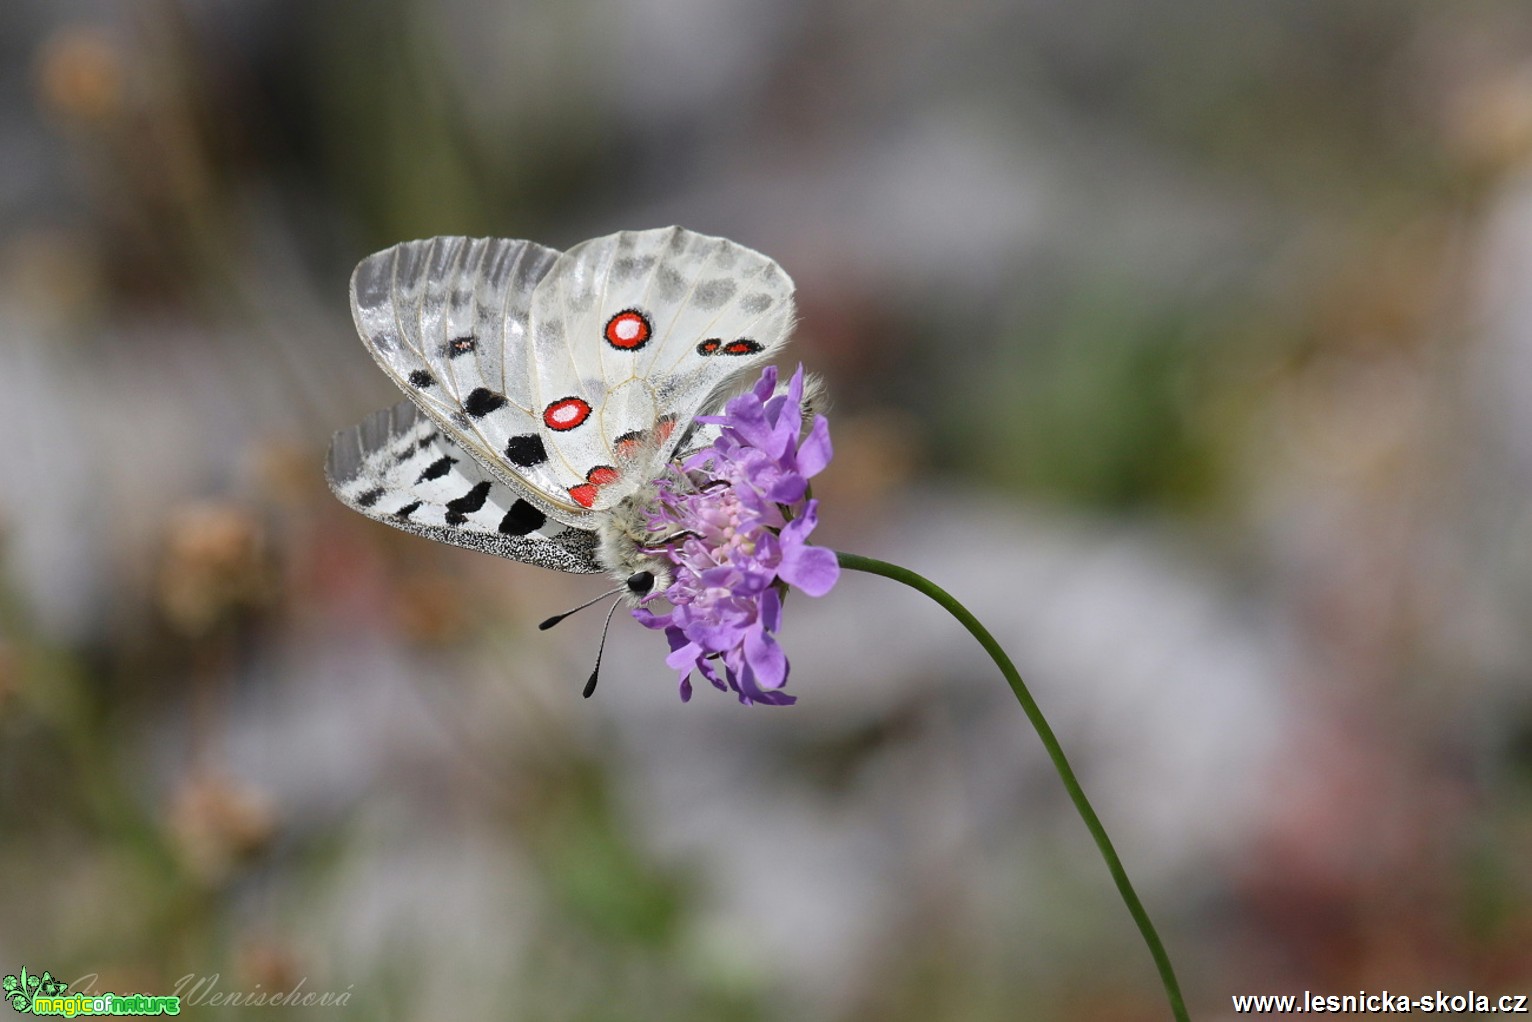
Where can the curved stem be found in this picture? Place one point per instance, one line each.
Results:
(855, 562)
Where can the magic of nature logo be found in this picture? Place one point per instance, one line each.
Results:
(44, 995)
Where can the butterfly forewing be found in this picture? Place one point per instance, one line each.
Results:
(447, 319)
(398, 467)
(646, 327)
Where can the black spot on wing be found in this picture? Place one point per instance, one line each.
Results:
(438, 468)
(522, 519)
(459, 509)
(481, 401)
(458, 346)
(526, 450)
(420, 379)
(408, 509)
(369, 498)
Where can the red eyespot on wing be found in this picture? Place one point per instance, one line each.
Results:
(566, 413)
(664, 427)
(743, 346)
(709, 346)
(584, 494)
(601, 475)
(628, 330)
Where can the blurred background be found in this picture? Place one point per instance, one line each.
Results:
(1188, 342)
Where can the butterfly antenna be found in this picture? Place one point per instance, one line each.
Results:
(590, 686)
(555, 619)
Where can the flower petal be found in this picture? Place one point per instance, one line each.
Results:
(815, 451)
(787, 488)
(711, 674)
(812, 569)
(685, 657)
(766, 659)
(766, 385)
(771, 610)
(649, 619)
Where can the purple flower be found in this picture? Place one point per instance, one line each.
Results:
(742, 506)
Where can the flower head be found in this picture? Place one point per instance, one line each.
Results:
(742, 512)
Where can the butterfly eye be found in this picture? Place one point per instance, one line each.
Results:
(640, 582)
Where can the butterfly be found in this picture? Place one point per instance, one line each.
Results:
(547, 391)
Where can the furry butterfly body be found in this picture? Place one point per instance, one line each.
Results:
(548, 391)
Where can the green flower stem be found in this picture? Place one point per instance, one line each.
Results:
(855, 562)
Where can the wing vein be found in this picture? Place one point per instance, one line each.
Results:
(452, 278)
(393, 305)
(478, 274)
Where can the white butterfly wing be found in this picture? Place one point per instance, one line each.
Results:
(398, 467)
(634, 334)
(446, 318)
(567, 381)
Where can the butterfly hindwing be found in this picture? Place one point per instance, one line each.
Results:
(447, 319)
(646, 329)
(399, 467)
